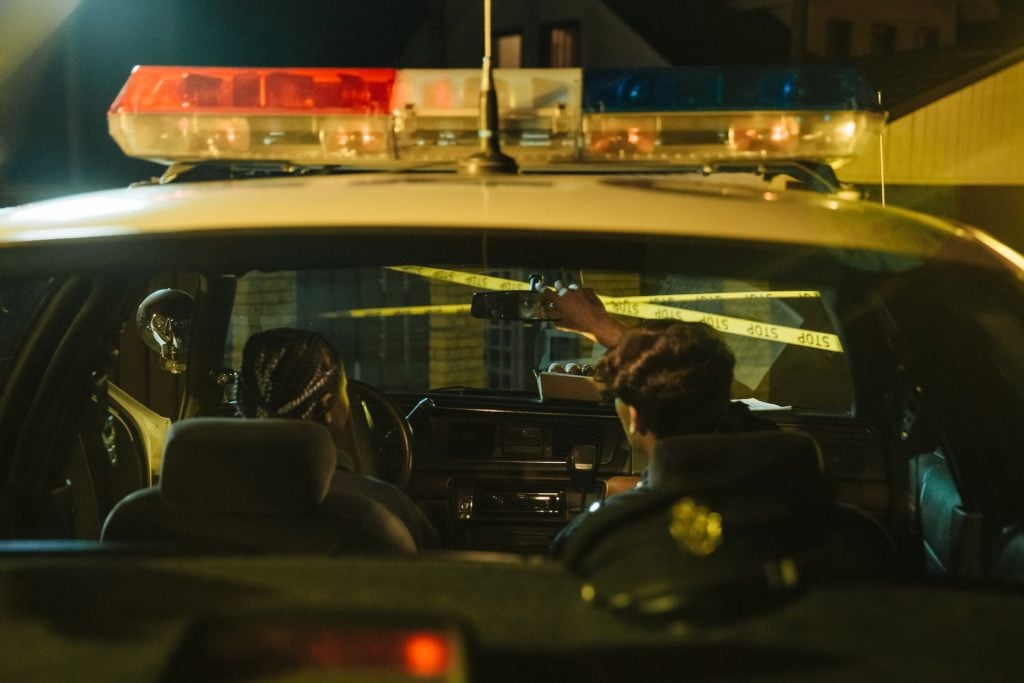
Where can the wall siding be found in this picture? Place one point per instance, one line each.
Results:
(974, 136)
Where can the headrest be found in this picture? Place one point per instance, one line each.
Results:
(250, 466)
(708, 462)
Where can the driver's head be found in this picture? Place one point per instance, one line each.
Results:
(292, 373)
(677, 375)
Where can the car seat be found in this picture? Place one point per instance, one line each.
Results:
(253, 485)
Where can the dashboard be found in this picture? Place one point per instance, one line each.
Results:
(506, 474)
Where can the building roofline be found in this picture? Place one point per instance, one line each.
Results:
(951, 86)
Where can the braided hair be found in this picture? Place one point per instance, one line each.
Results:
(288, 373)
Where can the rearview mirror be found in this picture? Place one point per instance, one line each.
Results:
(517, 305)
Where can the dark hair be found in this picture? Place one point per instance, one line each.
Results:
(287, 373)
(677, 375)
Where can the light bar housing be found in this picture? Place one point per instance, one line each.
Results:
(409, 117)
(696, 115)
(437, 113)
(305, 116)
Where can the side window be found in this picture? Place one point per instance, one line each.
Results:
(883, 39)
(509, 50)
(561, 45)
(838, 39)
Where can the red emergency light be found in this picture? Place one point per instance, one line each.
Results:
(213, 90)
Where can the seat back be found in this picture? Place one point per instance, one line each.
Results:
(950, 535)
(237, 485)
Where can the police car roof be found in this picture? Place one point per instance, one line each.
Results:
(663, 205)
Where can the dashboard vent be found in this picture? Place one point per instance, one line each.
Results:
(564, 437)
(471, 440)
(524, 441)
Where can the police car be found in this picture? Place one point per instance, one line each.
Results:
(370, 205)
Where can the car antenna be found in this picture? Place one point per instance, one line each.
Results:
(490, 160)
(881, 152)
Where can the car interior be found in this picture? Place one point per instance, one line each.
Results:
(452, 408)
(457, 418)
(163, 497)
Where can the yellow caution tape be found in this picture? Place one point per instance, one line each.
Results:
(461, 278)
(392, 311)
(631, 306)
(504, 284)
(730, 325)
(719, 296)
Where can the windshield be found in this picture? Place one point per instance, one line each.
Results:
(408, 328)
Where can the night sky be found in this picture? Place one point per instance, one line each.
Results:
(53, 107)
(54, 120)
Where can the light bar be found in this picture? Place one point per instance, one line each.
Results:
(437, 113)
(406, 117)
(306, 116)
(737, 88)
(699, 115)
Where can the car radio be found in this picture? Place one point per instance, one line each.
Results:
(497, 501)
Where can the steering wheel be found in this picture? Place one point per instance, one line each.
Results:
(381, 437)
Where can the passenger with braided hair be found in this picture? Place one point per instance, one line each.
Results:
(290, 373)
